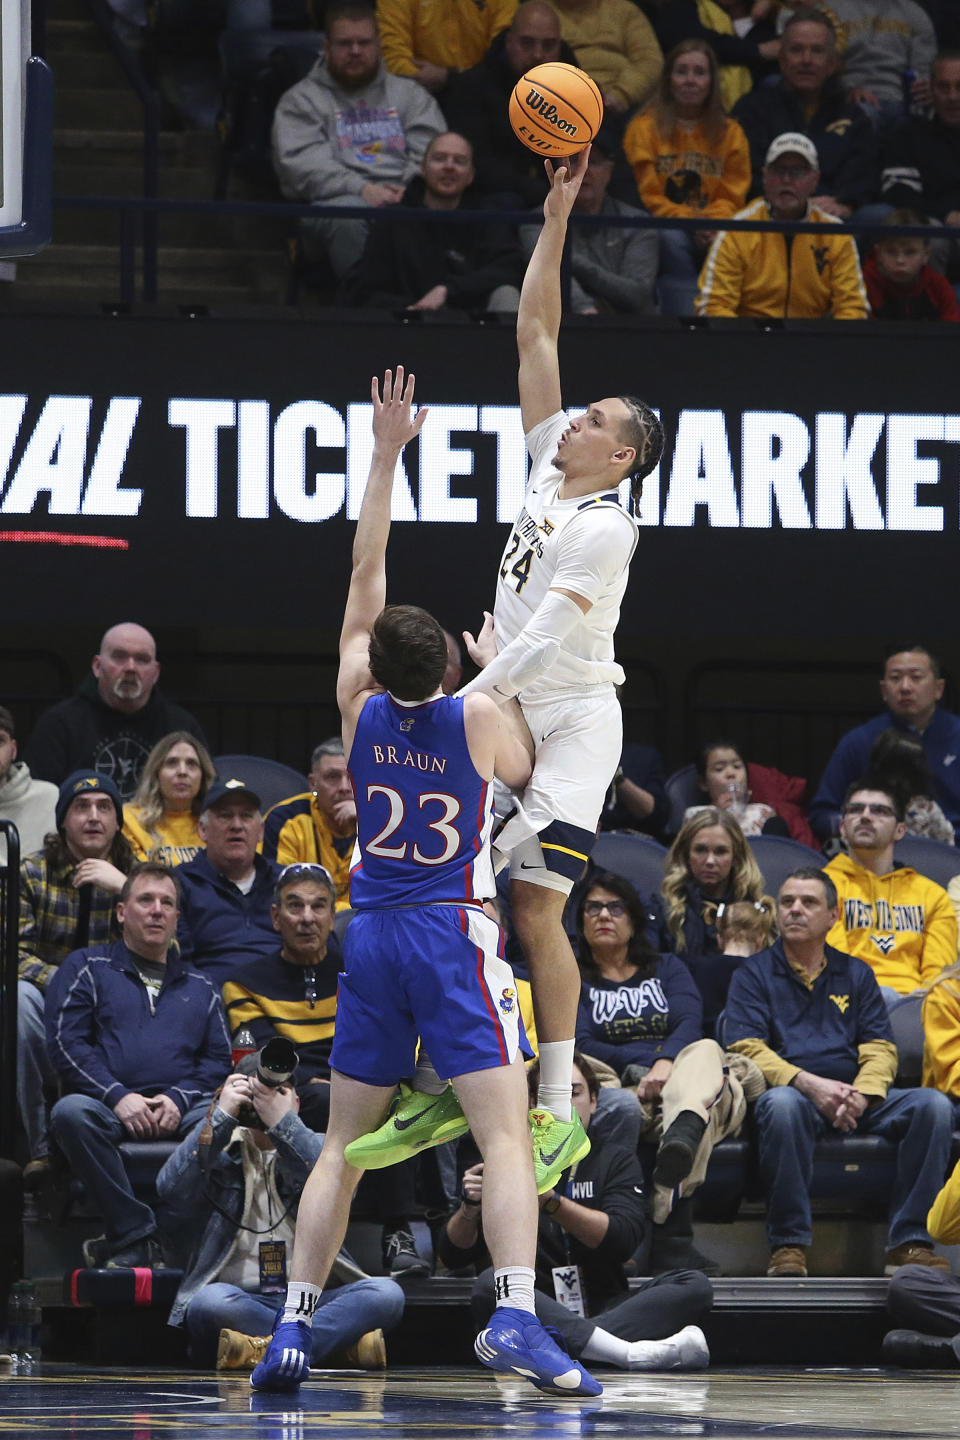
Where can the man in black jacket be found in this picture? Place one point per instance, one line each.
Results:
(430, 265)
(809, 99)
(921, 163)
(115, 718)
(509, 176)
(590, 1224)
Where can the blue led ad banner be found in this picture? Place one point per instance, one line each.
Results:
(209, 471)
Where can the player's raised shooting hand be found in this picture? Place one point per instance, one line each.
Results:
(565, 181)
(393, 424)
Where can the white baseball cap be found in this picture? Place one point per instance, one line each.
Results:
(793, 143)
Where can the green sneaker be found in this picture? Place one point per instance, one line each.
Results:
(416, 1122)
(557, 1144)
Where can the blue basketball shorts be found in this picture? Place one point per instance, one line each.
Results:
(433, 971)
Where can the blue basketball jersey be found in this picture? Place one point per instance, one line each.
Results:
(424, 815)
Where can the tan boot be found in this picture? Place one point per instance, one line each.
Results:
(912, 1253)
(240, 1352)
(788, 1260)
(369, 1352)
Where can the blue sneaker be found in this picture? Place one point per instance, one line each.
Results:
(515, 1341)
(287, 1360)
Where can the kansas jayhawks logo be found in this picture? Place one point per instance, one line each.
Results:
(508, 1000)
(407, 725)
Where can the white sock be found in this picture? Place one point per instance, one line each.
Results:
(426, 1081)
(514, 1287)
(606, 1349)
(556, 1078)
(652, 1355)
(686, 1350)
(302, 1300)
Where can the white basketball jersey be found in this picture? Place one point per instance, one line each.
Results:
(584, 545)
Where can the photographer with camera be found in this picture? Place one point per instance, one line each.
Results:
(234, 1183)
(139, 1044)
(293, 994)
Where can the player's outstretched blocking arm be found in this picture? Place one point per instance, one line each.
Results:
(393, 427)
(538, 318)
(530, 653)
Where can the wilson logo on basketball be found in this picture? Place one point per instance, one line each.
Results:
(555, 109)
(549, 113)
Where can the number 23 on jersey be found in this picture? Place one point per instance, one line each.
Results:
(450, 838)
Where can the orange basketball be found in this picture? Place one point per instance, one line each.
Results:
(555, 109)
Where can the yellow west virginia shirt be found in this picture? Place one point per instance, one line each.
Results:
(901, 923)
(174, 841)
(686, 173)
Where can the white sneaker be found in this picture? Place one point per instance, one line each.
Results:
(687, 1350)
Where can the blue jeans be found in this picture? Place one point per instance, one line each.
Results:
(34, 1070)
(789, 1125)
(678, 274)
(342, 1317)
(618, 1118)
(88, 1133)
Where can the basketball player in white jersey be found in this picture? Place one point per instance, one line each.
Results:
(561, 582)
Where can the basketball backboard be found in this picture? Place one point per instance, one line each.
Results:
(26, 136)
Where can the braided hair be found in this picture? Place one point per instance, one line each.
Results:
(644, 432)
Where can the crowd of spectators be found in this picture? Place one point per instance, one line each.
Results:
(701, 93)
(158, 935)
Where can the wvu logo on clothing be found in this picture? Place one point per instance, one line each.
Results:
(884, 943)
(581, 1190)
(842, 1003)
(860, 915)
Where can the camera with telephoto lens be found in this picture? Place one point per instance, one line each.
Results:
(273, 1066)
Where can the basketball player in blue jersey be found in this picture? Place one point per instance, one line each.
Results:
(421, 956)
(561, 582)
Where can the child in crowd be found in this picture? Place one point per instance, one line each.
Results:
(900, 283)
(744, 927)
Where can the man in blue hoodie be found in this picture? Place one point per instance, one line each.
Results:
(140, 1044)
(911, 686)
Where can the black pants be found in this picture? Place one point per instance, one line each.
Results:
(928, 1300)
(660, 1307)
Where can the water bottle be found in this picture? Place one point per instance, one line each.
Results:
(243, 1044)
(910, 105)
(738, 799)
(33, 1321)
(23, 1326)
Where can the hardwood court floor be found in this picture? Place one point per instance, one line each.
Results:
(465, 1404)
